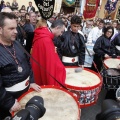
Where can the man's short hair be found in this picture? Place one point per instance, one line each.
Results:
(4, 15)
(57, 22)
(75, 20)
(6, 9)
(102, 21)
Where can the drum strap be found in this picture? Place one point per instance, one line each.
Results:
(40, 65)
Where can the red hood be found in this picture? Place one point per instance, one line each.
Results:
(42, 32)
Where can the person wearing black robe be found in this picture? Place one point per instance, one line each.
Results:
(70, 46)
(103, 48)
(16, 75)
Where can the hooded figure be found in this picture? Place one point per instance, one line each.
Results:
(43, 51)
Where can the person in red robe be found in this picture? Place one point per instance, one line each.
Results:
(43, 51)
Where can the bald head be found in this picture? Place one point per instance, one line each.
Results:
(6, 9)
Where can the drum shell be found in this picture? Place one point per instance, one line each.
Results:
(82, 93)
(51, 106)
(110, 81)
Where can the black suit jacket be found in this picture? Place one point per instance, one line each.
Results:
(29, 29)
(32, 8)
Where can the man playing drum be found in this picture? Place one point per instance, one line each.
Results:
(16, 76)
(71, 48)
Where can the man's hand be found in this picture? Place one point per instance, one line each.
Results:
(118, 67)
(16, 107)
(106, 55)
(81, 66)
(55, 49)
(35, 87)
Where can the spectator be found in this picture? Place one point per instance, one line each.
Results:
(2, 5)
(29, 29)
(23, 7)
(30, 8)
(6, 9)
(86, 29)
(95, 33)
(14, 5)
(114, 24)
(8, 4)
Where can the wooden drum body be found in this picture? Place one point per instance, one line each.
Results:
(111, 75)
(86, 85)
(60, 104)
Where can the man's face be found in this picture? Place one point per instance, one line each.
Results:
(75, 27)
(59, 30)
(100, 26)
(33, 18)
(114, 24)
(30, 4)
(8, 32)
(16, 12)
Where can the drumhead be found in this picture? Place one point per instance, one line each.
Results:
(84, 78)
(59, 103)
(112, 62)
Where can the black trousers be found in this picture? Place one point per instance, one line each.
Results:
(97, 63)
(111, 94)
(4, 113)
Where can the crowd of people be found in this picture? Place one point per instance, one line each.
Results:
(53, 44)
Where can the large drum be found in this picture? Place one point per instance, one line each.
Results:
(60, 104)
(111, 62)
(111, 75)
(86, 85)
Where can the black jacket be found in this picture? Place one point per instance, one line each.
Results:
(103, 46)
(32, 8)
(29, 30)
(9, 75)
(65, 42)
(21, 36)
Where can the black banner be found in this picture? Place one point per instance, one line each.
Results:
(45, 7)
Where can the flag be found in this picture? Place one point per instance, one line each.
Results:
(110, 5)
(82, 6)
(91, 7)
(57, 6)
(69, 2)
(45, 8)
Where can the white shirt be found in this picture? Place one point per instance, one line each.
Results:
(79, 31)
(94, 34)
(29, 9)
(115, 32)
(49, 23)
(86, 31)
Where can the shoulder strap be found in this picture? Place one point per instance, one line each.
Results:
(39, 64)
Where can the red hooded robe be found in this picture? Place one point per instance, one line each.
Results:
(43, 51)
